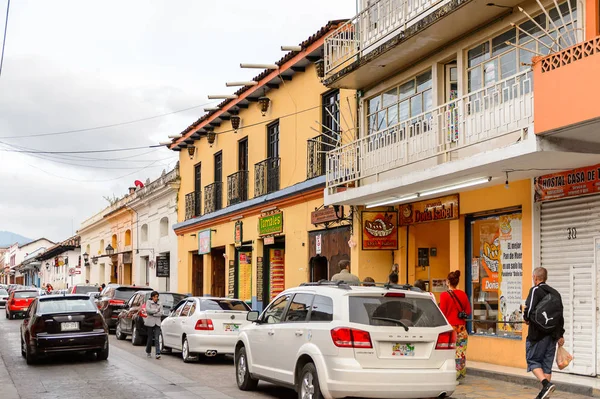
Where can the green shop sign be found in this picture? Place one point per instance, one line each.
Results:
(272, 224)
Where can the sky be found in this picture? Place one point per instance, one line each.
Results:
(73, 65)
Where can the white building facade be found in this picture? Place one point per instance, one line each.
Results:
(62, 265)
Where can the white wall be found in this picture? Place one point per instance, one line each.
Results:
(93, 237)
(59, 276)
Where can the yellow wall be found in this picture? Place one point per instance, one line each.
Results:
(120, 223)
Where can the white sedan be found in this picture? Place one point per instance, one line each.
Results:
(204, 325)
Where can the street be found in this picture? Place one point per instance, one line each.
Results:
(129, 374)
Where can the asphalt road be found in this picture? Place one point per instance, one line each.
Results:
(129, 374)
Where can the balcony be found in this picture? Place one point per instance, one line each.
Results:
(192, 205)
(315, 162)
(213, 197)
(237, 187)
(481, 121)
(376, 42)
(266, 177)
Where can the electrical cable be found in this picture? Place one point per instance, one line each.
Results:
(87, 181)
(4, 39)
(78, 152)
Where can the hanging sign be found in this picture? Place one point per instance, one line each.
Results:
(324, 215)
(271, 224)
(379, 230)
(443, 208)
(204, 242)
(567, 184)
(269, 240)
(237, 234)
(231, 280)
(163, 266)
(318, 244)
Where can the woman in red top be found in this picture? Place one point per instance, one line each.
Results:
(456, 307)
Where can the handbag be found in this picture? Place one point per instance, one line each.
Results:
(461, 314)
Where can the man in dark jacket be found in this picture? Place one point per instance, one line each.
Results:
(541, 344)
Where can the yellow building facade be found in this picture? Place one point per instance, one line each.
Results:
(251, 220)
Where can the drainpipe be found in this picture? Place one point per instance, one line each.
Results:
(407, 227)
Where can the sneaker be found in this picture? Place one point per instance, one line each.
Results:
(547, 391)
(157, 356)
(148, 355)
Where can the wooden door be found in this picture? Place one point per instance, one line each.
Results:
(218, 273)
(197, 275)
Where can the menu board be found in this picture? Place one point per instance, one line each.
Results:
(277, 262)
(231, 280)
(245, 276)
(163, 266)
(259, 278)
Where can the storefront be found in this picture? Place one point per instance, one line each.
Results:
(569, 223)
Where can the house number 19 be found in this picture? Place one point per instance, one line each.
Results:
(572, 233)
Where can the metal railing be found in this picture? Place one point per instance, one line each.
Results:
(370, 26)
(192, 205)
(266, 177)
(499, 109)
(213, 197)
(237, 187)
(315, 159)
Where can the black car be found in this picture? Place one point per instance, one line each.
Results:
(131, 318)
(63, 323)
(112, 300)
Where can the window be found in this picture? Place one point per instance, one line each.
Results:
(223, 304)
(401, 103)
(113, 242)
(383, 311)
(330, 118)
(273, 140)
(299, 308)
(164, 227)
(243, 154)
(101, 249)
(66, 304)
(144, 233)
(322, 309)
(192, 309)
(186, 309)
(274, 313)
(219, 167)
(128, 237)
(178, 308)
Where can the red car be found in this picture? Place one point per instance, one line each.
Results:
(19, 301)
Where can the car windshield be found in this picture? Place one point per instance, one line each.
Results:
(85, 289)
(26, 294)
(3, 291)
(224, 304)
(125, 293)
(169, 300)
(66, 304)
(382, 311)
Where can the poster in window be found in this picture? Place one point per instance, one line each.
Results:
(511, 272)
(277, 262)
(245, 276)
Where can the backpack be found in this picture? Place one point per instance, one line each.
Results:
(548, 312)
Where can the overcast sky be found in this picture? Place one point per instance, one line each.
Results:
(73, 64)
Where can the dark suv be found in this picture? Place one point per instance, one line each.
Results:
(112, 300)
(131, 318)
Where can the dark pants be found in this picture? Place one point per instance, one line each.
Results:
(153, 333)
(540, 354)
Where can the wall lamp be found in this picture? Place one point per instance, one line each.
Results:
(191, 151)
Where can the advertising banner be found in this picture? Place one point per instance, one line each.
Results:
(511, 272)
(204, 242)
(271, 224)
(277, 261)
(379, 230)
(443, 208)
(245, 276)
(567, 184)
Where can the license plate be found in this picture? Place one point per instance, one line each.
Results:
(403, 350)
(231, 327)
(70, 326)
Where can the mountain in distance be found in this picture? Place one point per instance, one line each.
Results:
(7, 239)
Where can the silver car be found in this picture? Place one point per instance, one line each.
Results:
(3, 297)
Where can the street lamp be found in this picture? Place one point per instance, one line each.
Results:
(47, 266)
(86, 257)
(110, 250)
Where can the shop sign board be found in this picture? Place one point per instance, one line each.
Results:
(231, 280)
(567, 184)
(271, 224)
(432, 210)
(237, 234)
(163, 266)
(324, 215)
(318, 244)
(204, 242)
(379, 230)
(269, 240)
(259, 278)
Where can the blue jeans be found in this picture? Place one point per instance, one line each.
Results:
(153, 333)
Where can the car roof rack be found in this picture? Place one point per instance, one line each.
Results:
(339, 284)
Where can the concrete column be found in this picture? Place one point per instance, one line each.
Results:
(207, 274)
(457, 248)
(230, 256)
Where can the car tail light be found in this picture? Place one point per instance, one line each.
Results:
(37, 327)
(395, 295)
(143, 312)
(98, 323)
(204, 325)
(446, 340)
(351, 338)
(116, 302)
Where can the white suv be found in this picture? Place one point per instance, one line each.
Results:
(333, 340)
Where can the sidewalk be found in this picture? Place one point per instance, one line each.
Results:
(587, 386)
(9, 391)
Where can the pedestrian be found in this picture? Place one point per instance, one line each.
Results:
(369, 282)
(344, 274)
(87, 281)
(393, 278)
(154, 310)
(103, 286)
(420, 284)
(544, 315)
(455, 305)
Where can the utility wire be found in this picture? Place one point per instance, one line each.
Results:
(4, 39)
(79, 152)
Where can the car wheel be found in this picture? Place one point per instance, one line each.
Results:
(136, 338)
(185, 351)
(103, 353)
(245, 382)
(119, 333)
(6, 313)
(161, 345)
(309, 383)
(23, 348)
(30, 358)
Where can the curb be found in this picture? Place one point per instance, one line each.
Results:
(529, 381)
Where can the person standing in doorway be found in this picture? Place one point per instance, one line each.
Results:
(344, 274)
(544, 315)
(154, 310)
(455, 305)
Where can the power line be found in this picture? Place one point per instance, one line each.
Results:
(78, 152)
(4, 39)
(89, 181)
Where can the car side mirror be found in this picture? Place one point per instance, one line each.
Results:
(252, 316)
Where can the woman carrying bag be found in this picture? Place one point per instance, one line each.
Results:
(456, 307)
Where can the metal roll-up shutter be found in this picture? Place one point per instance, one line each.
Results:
(570, 232)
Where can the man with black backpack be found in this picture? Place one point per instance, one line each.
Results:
(544, 315)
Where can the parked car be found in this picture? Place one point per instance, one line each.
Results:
(204, 325)
(19, 301)
(83, 289)
(335, 340)
(112, 300)
(3, 296)
(131, 318)
(63, 323)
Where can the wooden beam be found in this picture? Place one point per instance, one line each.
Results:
(214, 123)
(286, 77)
(313, 58)
(298, 69)
(273, 85)
(195, 135)
(251, 99)
(242, 105)
(225, 117)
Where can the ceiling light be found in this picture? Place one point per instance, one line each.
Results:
(291, 48)
(395, 200)
(222, 97)
(248, 83)
(259, 66)
(174, 136)
(456, 186)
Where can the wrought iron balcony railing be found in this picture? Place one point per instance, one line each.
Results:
(213, 197)
(237, 187)
(266, 177)
(192, 204)
(316, 149)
